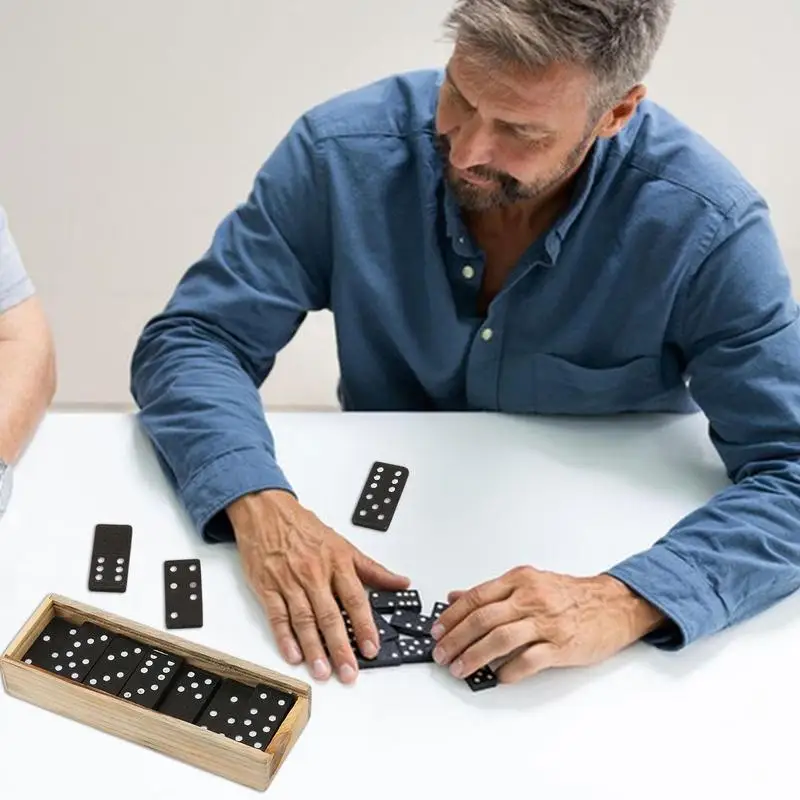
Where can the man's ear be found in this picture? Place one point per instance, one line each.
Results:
(613, 121)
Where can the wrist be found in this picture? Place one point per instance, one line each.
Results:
(246, 511)
(637, 615)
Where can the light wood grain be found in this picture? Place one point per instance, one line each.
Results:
(173, 737)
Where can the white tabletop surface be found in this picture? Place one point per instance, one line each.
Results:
(485, 494)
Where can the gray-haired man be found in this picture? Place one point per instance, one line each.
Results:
(27, 359)
(524, 232)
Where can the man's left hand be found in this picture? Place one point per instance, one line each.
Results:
(536, 620)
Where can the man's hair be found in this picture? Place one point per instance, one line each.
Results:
(616, 40)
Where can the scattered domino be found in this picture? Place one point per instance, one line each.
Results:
(379, 496)
(388, 656)
(183, 594)
(416, 651)
(411, 623)
(111, 552)
(438, 610)
(405, 638)
(483, 678)
(385, 630)
(389, 602)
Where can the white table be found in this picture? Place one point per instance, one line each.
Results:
(486, 493)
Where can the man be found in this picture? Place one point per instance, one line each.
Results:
(522, 233)
(27, 360)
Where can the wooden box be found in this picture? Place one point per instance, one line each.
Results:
(184, 741)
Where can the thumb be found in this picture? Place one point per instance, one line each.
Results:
(376, 575)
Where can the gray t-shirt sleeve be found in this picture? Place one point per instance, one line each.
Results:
(15, 284)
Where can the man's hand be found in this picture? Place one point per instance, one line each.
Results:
(298, 567)
(537, 620)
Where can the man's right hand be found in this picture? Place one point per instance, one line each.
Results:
(298, 567)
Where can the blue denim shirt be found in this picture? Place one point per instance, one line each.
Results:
(661, 289)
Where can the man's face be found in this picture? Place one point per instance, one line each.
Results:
(506, 135)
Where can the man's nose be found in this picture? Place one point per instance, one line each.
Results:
(471, 146)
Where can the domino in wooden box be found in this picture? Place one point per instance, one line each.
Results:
(205, 708)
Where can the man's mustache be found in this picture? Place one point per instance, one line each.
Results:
(484, 173)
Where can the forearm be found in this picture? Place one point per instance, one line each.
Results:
(26, 390)
(731, 559)
(204, 415)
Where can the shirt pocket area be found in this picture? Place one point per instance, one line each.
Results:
(548, 384)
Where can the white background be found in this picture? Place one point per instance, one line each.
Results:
(128, 130)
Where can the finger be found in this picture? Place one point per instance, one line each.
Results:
(351, 593)
(473, 628)
(376, 575)
(531, 661)
(278, 617)
(497, 644)
(453, 596)
(483, 594)
(304, 622)
(331, 625)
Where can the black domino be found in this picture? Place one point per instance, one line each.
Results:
(151, 680)
(385, 631)
(416, 650)
(410, 623)
(379, 496)
(227, 708)
(438, 610)
(82, 651)
(116, 665)
(264, 712)
(111, 552)
(189, 693)
(183, 594)
(388, 656)
(48, 648)
(389, 602)
(484, 678)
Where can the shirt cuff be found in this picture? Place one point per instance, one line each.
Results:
(679, 591)
(229, 477)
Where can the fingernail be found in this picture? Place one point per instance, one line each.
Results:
(439, 656)
(319, 669)
(369, 649)
(437, 630)
(293, 654)
(346, 673)
(457, 669)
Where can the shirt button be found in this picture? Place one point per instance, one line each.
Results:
(487, 334)
(468, 272)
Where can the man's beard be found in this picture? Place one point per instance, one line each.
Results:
(507, 189)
